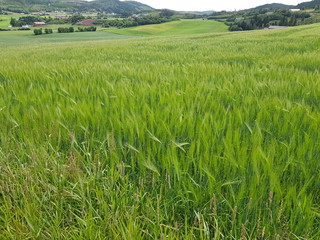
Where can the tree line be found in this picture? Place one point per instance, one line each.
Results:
(262, 19)
(64, 30)
(27, 20)
(132, 22)
(80, 29)
(40, 32)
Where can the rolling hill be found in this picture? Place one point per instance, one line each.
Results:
(302, 5)
(115, 6)
(274, 6)
(174, 28)
(308, 5)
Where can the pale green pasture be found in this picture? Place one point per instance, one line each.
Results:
(5, 21)
(27, 37)
(7, 18)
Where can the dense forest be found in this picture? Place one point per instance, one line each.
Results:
(309, 5)
(263, 18)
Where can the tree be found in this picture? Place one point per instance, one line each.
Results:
(48, 31)
(166, 13)
(37, 31)
(283, 21)
(15, 23)
(75, 18)
(26, 20)
(293, 21)
(235, 28)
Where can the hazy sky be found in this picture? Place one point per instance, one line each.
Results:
(200, 5)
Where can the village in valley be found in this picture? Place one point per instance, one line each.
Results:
(55, 20)
(270, 16)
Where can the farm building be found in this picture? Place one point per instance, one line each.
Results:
(140, 15)
(38, 24)
(87, 22)
(276, 27)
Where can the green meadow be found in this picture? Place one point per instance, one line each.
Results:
(194, 136)
(174, 28)
(5, 20)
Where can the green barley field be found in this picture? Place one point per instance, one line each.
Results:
(181, 27)
(197, 136)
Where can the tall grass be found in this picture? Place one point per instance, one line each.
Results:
(211, 136)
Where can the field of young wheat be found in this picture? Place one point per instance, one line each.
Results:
(210, 136)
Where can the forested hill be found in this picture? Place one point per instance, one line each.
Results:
(308, 5)
(274, 6)
(304, 5)
(115, 6)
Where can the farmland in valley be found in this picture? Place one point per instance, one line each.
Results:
(197, 136)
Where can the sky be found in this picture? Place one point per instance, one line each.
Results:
(217, 5)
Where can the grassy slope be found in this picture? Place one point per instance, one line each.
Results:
(212, 136)
(174, 28)
(6, 19)
(167, 29)
(5, 22)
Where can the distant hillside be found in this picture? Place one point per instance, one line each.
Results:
(138, 5)
(273, 6)
(115, 6)
(198, 12)
(309, 5)
(303, 5)
(118, 6)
